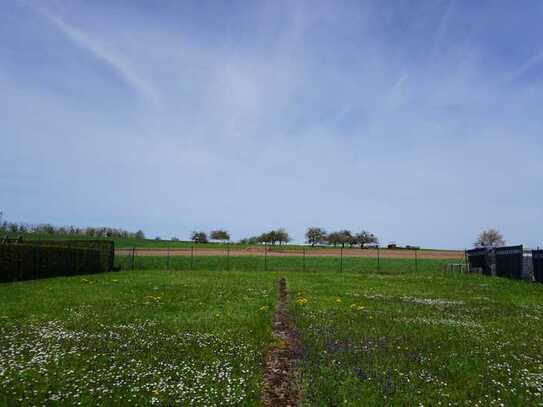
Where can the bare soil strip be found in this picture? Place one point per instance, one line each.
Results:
(252, 251)
(280, 385)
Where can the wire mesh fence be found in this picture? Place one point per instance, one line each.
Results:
(275, 259)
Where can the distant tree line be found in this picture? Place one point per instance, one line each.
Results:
(314, 235)
(318, 236)
(51, 230)
(202, 237)
(273, 237)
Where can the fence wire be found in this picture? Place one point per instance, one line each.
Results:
(274, 259)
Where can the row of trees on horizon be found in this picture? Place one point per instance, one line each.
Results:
(314, 235)
(67, 231)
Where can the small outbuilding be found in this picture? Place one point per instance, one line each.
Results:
(479, 260)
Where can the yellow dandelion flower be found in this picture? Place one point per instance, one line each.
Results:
(301, 301)
(338, 300)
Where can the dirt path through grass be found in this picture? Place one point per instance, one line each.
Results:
(280, 384)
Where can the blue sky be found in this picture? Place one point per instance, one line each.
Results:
(420, 121)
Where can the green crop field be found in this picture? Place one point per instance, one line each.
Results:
(278, 263)
(397, 337)
(129, 243)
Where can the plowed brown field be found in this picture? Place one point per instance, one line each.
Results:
(314, 252)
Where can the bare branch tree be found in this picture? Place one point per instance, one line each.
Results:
(490, 238)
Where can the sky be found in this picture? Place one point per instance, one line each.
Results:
(420, 121)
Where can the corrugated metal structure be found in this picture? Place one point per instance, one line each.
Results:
(510, 262)
(537, 260)
(479, 261)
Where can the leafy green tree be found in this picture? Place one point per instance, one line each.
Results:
(315, 236)
(363, 238)
(220, 235)
(199, 237)
(282, 236)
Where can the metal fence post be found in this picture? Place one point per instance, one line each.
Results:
(378, 260)
(304, 260)
(191, 256)
(265, 257)
(416, 261)
(133, 257)
(341, 259)
(227, 257)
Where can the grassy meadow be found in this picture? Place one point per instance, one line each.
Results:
(419, 339)
(279, 263)
(135, 339)
(395, 337)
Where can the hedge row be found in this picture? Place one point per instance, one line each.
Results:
(32, 260)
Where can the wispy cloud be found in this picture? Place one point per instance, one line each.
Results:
(443, 25)
(530, 63)
(120, 65)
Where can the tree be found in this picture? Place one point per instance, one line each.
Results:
(220, 235)
(345, 237)
(282, 236)
(274, 236)
(490, 238)
(364, 238)
(139, 235)
(199, 237)
(315, 235)
(333, 238)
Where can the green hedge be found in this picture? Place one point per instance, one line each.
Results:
(32, 260)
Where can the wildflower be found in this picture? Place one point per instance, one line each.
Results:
(338, 301)
(264, 308)
(301, 301)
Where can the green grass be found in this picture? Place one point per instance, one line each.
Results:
(419, 339)
(279, 263)
(397, 337)
(135, 339)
